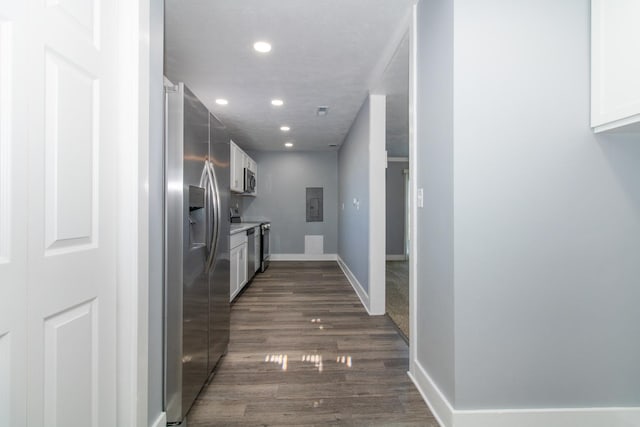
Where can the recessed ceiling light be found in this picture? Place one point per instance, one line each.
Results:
(288, 144)
(285, 128)
(262, 47)
(221, 101)
(277, 102)
(322, 111)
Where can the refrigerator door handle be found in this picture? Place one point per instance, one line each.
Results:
(207, 183)
(215, 198)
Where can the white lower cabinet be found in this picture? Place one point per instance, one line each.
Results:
(238, 258)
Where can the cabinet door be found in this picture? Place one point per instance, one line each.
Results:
(234, 255)
(232, 166)
(251, 164)
(246, 161)
(237, 169)
(242, 265)
(240, 156)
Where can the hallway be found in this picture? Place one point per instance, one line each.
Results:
(304, 351)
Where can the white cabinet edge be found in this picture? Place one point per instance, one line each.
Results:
(606, 117)
(627, 124)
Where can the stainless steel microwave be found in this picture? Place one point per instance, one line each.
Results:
(249, 181)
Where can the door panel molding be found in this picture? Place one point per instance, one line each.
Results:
(71, 349)
(72, 134)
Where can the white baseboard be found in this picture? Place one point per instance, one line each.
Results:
(304, 257)
(161, 421)
(362, 294)
(550, 417)
(435, 399)
(396, 257)
(547, 417)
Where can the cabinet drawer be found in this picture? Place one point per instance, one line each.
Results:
(238, 239)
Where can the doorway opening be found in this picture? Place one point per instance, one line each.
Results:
(397, 200)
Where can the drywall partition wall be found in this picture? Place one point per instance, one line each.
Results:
(434, 337)
(377, 212)
(396, 207)
(361, 239)
(547, 217)
(282, 181)
(353, 193)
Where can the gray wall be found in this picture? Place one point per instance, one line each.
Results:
(396, 207)
(547, 220)
(435, 314)
(353, 227)
(547, 214)
(156, 208)
(282, 181)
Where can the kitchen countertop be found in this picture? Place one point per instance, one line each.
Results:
(242, 226)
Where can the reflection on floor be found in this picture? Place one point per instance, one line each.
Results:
(397, 294)
(303, 351)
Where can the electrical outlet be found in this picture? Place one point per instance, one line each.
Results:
(420, 198)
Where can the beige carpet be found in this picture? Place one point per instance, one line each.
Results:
(397, 274)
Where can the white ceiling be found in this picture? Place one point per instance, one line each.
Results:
(324, 53)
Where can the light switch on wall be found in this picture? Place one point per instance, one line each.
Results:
(420, 198)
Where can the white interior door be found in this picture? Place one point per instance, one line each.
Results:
(72, 217)
(58, 124)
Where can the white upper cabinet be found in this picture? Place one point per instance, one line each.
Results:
(237, 169)
(239, 161)
(615, 65)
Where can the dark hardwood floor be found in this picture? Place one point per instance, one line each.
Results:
(304, 352)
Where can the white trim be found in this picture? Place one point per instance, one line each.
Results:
(362, 294)
(413, 191)
(447, 416)
(161, 421)
(397, 159)
(132, 251)
(304, 257)
(377, 197)
(549, 417)
(398, 257)
(435, 399)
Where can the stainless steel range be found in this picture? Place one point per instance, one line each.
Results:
(265, 253)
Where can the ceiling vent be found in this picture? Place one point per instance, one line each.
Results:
(322, 111)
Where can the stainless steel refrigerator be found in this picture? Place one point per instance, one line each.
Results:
(196, 247)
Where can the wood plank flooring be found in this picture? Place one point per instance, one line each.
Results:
(304, 352)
